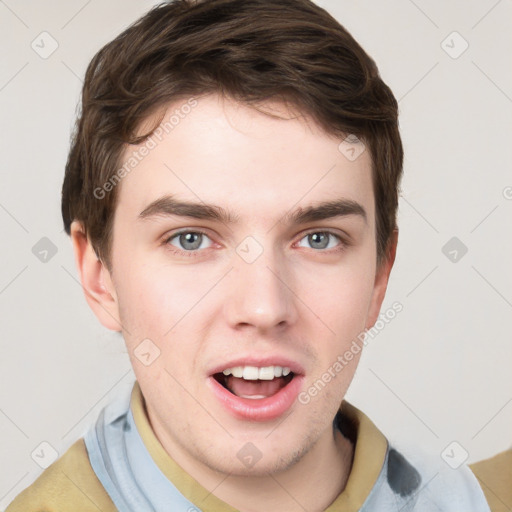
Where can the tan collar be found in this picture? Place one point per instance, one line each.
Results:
(369, 454)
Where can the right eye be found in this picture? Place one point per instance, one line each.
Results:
(187, 241)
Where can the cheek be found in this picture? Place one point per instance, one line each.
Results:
(340, 297)
(160, 302)
(147, 303)
(154, 306)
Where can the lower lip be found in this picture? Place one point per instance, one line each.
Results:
(262, 409)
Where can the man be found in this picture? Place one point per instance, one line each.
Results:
(231, 195)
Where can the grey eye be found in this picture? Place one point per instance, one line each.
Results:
(320, 240)
(188, 240)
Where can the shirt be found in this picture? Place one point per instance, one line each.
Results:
(127, 469)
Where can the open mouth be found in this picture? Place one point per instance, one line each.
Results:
(257, 393)
(254, 383)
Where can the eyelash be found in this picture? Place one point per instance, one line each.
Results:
(194, 253)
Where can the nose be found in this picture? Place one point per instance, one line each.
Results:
(261, 293)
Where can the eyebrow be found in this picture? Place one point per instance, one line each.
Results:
(168, 205)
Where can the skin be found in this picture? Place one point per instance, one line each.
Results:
(297, 300)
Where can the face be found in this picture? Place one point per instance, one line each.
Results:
(257, 280)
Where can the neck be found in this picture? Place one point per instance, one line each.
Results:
(312, 483)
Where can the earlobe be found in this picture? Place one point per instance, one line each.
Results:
(96, 280)
(381, 280)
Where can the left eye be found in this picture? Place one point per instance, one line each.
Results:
(188, 240)
(320, 239)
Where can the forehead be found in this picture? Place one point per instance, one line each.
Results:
(218, 151)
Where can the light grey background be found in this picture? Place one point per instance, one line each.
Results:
(439, 372)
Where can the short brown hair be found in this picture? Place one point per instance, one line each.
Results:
(249, 50)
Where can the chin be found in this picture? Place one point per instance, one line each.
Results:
(259, 457)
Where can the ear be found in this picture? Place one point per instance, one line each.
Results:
(381, 280)
(96, 280)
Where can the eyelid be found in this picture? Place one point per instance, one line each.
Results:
(169, 236)
(332, 231)
(343, 239)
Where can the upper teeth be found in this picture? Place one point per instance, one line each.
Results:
(255, 373)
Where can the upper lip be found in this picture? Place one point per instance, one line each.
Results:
(260, 362)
